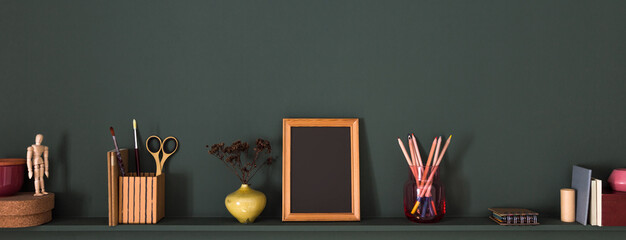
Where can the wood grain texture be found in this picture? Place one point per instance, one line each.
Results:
(125, 191)
(286, 169)
(154, 205)
(110, 197)
(120, 201)
(137, 200)
(353, 124)
(160, 197)
(144, 198)
(149, 201)
(12, 161)
(114, 198)
(133, 199)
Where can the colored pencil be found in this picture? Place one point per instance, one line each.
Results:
(417, 151)
(422, 182)
(414, 155)
(429, 161)
(406, 155)
(429, 182)
(437, 151)
(408, 159)
(412, 151)
(445, 147)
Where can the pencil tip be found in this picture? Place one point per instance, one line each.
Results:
(450, 136)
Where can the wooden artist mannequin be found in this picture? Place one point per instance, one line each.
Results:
(34, 160)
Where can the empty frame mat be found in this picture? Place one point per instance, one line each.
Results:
(320, 170)
(320, 176)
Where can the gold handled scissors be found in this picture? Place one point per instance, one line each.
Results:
(161, 161)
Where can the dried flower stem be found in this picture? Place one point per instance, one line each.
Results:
(231, 157)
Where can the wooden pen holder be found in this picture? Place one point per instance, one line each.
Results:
(141, 198)
(134, 199)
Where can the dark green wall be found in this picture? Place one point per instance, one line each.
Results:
(527, 88)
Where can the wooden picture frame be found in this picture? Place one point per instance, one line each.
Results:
(337, 140)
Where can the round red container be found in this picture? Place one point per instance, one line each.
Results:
(617, 180)
(11, 175)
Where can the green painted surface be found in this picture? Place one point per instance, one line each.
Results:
(316, 235)
(528, 88)
(376, 228)
(189, 225)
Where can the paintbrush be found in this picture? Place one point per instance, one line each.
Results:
(117, 151)
(136, 146)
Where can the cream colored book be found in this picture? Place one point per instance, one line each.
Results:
(599, 202)
(593, 203)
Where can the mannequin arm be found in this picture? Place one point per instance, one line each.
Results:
(29, 161)
(45, 160)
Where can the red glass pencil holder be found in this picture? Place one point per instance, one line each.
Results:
(424, 195)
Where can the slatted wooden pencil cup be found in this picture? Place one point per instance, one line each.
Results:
(134, 199)
(142, 198)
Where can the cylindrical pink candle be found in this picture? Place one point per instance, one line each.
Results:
(568, 205)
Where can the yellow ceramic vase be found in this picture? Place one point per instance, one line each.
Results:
(245, 204)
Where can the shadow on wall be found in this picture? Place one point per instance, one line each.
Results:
(146, 160)
(273, 192)
(59, 173)
(457, 187)
(602, 169)
(369, 195)
(269, 180)
(177, 186)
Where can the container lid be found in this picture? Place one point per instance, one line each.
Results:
(12, 161)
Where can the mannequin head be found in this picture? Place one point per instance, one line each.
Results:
(38, 139)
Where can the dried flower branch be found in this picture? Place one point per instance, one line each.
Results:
(231, 157)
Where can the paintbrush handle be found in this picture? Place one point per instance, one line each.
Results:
(137, 160)
(119, 157)
(119, 162)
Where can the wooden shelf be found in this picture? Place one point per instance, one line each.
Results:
(450, 224)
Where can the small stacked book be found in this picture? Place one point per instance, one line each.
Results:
(514, 216)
